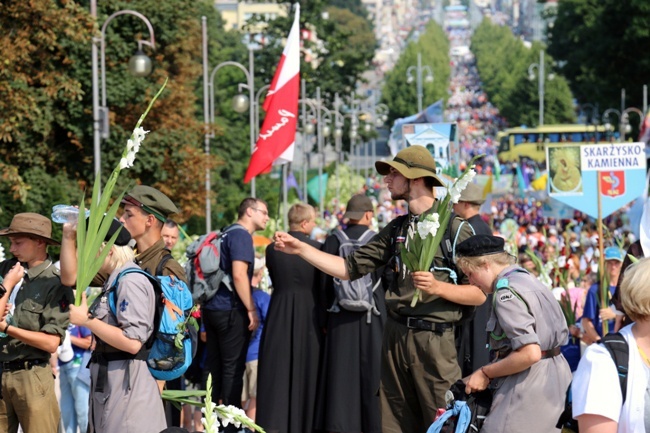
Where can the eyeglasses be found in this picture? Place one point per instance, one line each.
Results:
(263, 212)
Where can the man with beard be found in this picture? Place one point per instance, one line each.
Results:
(419, 353)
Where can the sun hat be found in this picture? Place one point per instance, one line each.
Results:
(30, 224)
(357, 206)
(412, 163)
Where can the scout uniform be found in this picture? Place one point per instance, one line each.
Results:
(122, 388)
(524, 312)
(419, 353)
(41, 305)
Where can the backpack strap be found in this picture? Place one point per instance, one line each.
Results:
(162, 263)
(448, 246)
(341, 236)
(366, 236)
(619, 350)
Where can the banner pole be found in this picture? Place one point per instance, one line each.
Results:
(604, 284)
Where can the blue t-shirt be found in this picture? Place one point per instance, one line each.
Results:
(236, 245)
(592, 308)
(262, 300)
(81, 332)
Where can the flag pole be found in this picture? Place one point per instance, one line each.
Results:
(285, 210)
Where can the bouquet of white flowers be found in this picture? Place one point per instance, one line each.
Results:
(421, 249)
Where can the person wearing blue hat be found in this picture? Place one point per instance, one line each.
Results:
(593, 314)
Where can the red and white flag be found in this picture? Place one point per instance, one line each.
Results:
(276, 142)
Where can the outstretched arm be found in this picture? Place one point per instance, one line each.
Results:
(328, 263)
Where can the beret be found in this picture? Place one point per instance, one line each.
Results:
(480, 245)
(123, 238)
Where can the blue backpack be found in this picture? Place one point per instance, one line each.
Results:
(172, 344)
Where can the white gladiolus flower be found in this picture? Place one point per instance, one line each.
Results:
(2, 253)
(124, 163)
(454, 194)
(429, 226)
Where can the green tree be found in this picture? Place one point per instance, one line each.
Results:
(601, 46)
(401, 96)
(503, 61)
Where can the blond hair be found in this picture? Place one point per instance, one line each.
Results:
(120, 257)
(470, 264)
(634, 290)
(300, 212)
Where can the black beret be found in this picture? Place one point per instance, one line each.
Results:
(123, 238)
(480, 245)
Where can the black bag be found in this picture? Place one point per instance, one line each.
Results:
(619, 350)
(479, 404)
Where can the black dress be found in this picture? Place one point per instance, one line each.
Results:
(348, 391)
(291, 342)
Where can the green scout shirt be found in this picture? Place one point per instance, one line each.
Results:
(152, 256)
(41, 305)
(378, 253)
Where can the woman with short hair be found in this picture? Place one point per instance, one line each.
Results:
(598, 403)
(528, 374)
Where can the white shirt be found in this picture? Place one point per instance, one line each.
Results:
(596, 389)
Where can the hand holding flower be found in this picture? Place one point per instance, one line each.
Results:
(425, 282)
(79, 314)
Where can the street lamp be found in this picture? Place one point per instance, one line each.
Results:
(241, 103)
(418, 76)
(139, 66)
(541, 78)
(625, 120)
(606, 120)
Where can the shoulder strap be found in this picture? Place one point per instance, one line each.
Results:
(163, 262)
(366, 236)
(619, 350)
(341, 235)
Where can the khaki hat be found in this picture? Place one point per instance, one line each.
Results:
(472, 194)
(357, 206)
(30, 224)
(151, 201)
(412, 163)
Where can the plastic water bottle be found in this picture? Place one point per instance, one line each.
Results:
(63, 213)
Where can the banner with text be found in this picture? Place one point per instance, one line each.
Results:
(575, 170)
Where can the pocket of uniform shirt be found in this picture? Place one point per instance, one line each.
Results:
(28, 316)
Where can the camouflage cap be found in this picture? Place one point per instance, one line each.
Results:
(151, 201)
(412, 163)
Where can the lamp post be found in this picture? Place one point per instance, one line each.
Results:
(139, 66)
(541, 78)
(241, 103)
(418, 77)
(606, 121)
(625, 120)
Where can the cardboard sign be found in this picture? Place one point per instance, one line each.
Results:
(576, 170)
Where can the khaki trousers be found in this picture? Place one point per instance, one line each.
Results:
(28, 399)
(417, 368)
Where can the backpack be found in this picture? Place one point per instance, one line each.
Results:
(464, 413)
(619, 350)
(203, 267)
(172, 344)
(354, 295)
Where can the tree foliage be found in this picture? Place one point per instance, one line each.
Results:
(602, 45)
(401, 96)
(503, 64)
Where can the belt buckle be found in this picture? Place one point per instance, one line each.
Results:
(411, 322)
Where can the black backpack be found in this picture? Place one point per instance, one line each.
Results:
(619, 350)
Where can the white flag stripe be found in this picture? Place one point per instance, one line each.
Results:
(291, 53)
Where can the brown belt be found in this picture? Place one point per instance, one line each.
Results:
(551, 353)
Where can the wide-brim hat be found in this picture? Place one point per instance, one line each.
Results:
(412, 163)
(30, 224)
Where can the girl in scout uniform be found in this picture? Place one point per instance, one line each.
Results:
(124, 395)
(528, 374)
